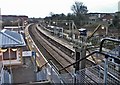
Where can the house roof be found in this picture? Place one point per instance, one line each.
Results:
(11, 39)
(108, 17)
(11, 27)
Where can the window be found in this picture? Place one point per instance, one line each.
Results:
(12, 55)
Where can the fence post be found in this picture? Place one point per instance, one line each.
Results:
(105, 69)
(35, 64)
(75, 79)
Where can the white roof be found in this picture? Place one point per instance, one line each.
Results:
(10, 27)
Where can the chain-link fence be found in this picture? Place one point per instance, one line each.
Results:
(104, 73)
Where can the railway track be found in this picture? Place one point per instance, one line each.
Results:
(63, 48)
(53, 50)
(49, 51)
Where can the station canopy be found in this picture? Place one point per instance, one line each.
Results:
(11, 39)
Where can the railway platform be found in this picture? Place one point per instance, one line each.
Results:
(92, 75)
(66, 44)
(59, 40)
(24, 73)
(40, 60)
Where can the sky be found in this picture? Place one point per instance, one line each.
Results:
(42, 8)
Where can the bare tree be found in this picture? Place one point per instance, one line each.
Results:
(51, 13)
(80, 11)
(78, 8)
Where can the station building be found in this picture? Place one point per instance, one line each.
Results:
(11, 44)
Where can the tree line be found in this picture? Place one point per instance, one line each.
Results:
(79, 16)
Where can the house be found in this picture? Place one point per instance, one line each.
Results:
(100, 17)
(11, 44)
(108, 19)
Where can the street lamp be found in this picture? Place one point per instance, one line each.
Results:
(80, 52)
(83, 35)
(103, 27)
(14, 49)
(106, 29)
(3, 50)
(66, 23)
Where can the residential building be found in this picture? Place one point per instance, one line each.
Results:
(108, 19)
(14, 20)
(100, 17)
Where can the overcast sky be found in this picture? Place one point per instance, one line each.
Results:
(42, 8)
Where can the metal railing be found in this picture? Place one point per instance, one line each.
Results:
(107, 39)
(102, 74)
(96, 74)
(105, 73)
(93, 75)
(49, 72)
(5, 77)
(1, 76)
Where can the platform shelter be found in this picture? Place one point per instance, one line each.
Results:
(11, 44)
